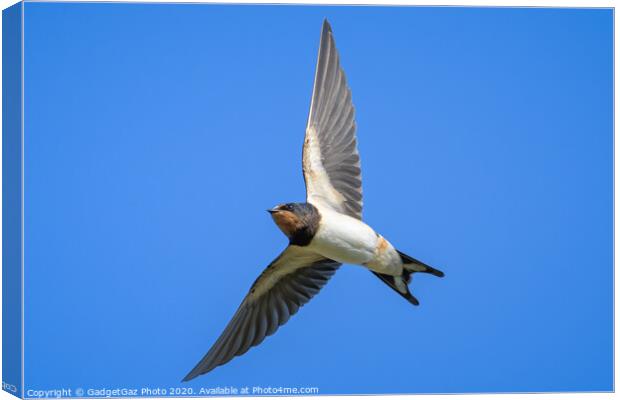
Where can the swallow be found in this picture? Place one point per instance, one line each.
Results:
(324, 232)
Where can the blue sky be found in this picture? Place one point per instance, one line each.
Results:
(157, 135)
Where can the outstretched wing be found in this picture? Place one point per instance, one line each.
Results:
(331, 162)
(288, 283)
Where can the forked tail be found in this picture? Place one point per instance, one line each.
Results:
(400, 284)
(413, 265)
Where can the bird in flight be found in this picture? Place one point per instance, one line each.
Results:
(324, 232)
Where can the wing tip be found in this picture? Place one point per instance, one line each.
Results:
(200, 369)
(196, 372)
(326, 25)
(190, 376)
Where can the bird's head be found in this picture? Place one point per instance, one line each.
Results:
(293, 218)
(288, 218)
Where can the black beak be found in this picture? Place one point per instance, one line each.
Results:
(272, 211)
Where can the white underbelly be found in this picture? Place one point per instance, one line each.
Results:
(344, 239)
